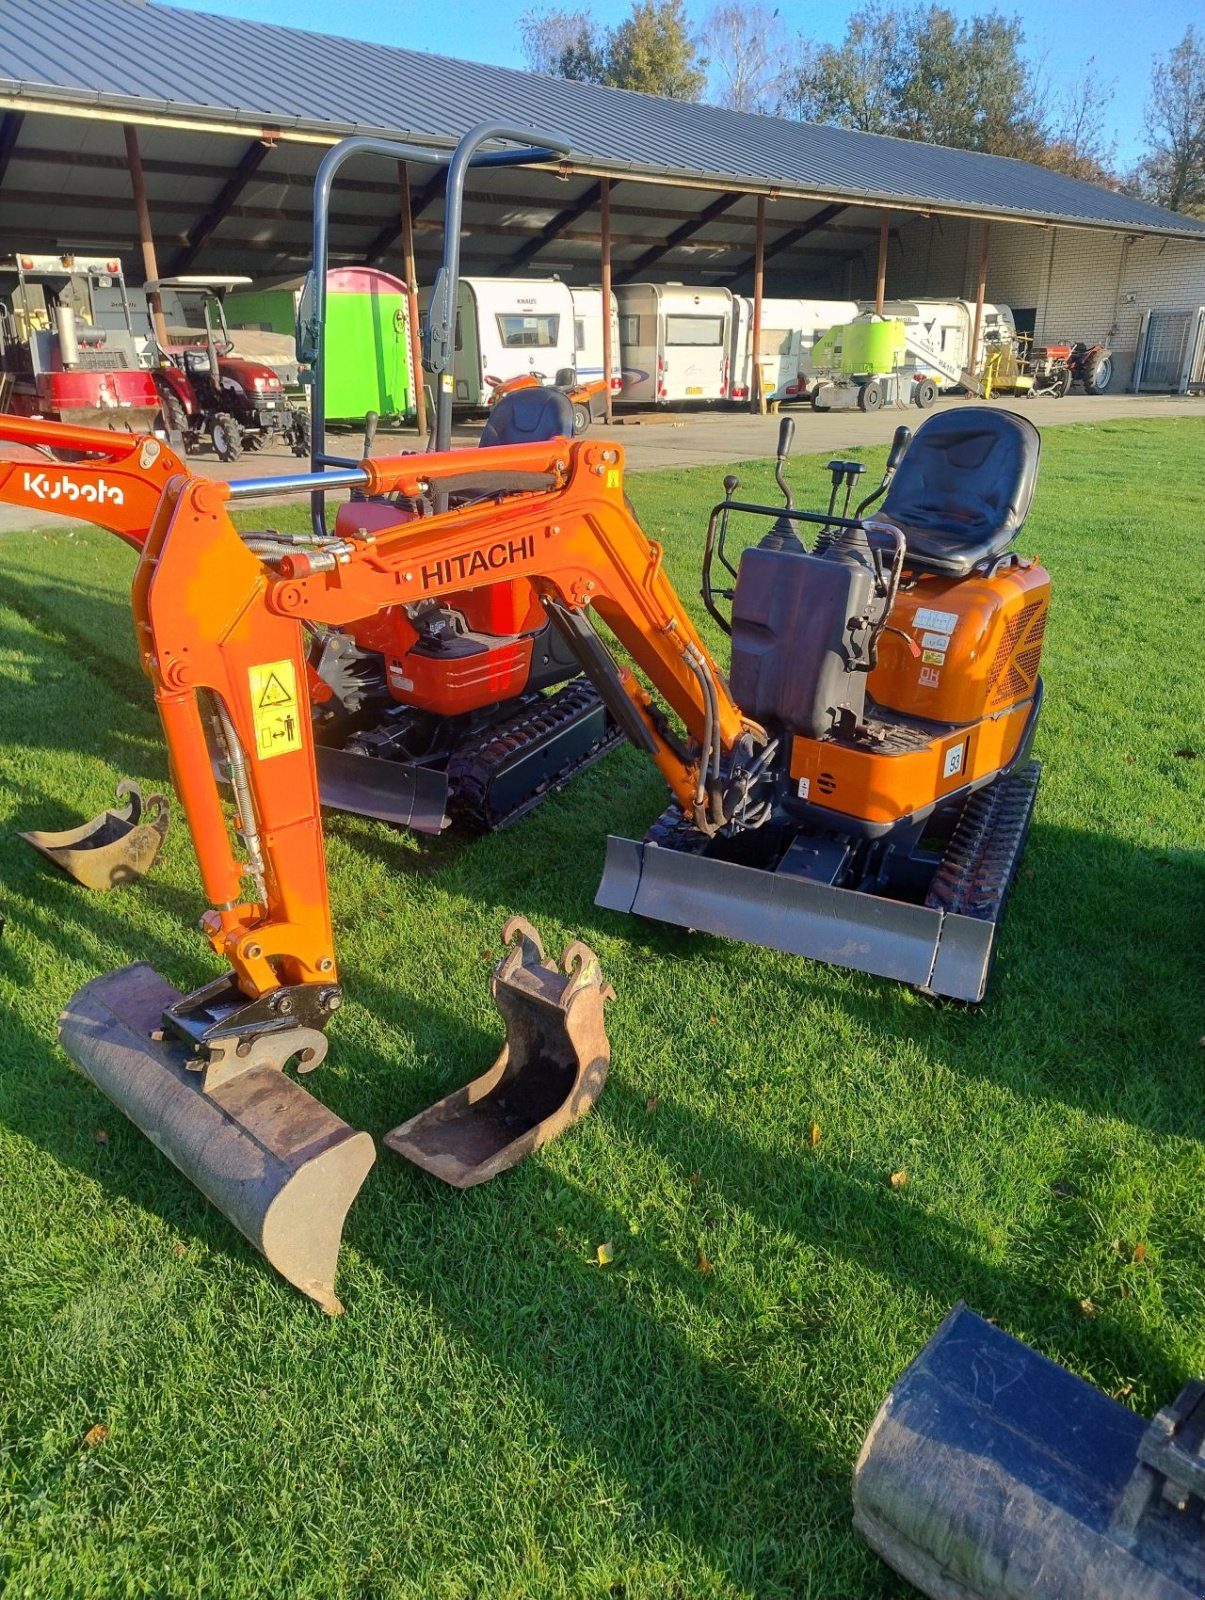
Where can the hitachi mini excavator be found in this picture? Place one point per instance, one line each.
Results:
(858, 789)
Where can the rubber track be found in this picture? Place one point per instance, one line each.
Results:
(982, 857)
(475, 764)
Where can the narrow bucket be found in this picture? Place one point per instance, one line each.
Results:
(991, 1473)
(400, 792)
(116, 847)
(273, 1160)
(550, 1072)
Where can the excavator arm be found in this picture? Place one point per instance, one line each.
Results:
(222, 632)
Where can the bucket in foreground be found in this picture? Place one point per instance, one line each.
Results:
(275, 1161)
(991, 1473)
(550, 1071)
(119, 846)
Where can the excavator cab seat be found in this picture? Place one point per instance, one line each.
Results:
(529, 416)
(963, 490)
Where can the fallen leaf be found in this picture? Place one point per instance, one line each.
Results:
(1139, 1254)
(487, 955)
(713, 1019)
(1087, 1307)
(605, 1254)
(94, 1436)
(1062, 1189)
(704, 1264)
(651, 1104)
(1188, 755)
(1123, 1391)
(1129, 760)
(898, 1179)
(179, 1249)
(695, 1179)
(814, 1134)
(101, 1136)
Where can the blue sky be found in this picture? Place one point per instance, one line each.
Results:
(1061, 34)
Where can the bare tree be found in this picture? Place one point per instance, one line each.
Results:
(556, 40)
(746, 48)
(1077, 142)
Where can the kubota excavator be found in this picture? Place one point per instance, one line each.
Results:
(858, 789)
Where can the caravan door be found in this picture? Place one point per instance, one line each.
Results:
(522, 325)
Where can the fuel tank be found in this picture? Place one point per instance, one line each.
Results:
(979, 641)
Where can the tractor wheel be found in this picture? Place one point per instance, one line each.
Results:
(925, 394)
(226, 437)
(1098, 372)
(175, 420)
(870, 396)
(1062, 383)
(299, 434)
(581, 418)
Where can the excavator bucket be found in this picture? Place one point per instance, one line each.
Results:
(280, 1166)
(550, 1072)
(118, 846)
(990, 1473)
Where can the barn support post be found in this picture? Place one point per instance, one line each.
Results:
(985, 240)
(880, 285)
(150, 263)
(411, 271)
(757, 389)
(604, 198)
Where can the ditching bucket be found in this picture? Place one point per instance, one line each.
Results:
(990, 1473)
(280, 1166)
(551, 1070)
(116, 847)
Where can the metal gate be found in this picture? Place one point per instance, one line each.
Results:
(1171, 352)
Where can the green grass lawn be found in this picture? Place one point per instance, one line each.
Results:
(497, 1415)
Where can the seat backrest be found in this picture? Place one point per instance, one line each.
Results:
(529, 416)
(967, 479)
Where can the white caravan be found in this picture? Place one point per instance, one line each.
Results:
(675, 343)
(588, 338)
(506, 327)
(789, 328)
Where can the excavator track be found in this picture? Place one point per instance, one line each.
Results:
(981, 859)
(505, 772)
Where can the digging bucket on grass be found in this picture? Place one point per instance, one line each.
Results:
(991, 1473)
(549, 1073)
(118, 846)
(274, 1160)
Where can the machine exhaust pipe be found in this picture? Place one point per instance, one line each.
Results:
(275, 1162)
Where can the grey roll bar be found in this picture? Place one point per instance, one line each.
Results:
(441, 315)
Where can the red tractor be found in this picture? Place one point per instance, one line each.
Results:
(210, 393)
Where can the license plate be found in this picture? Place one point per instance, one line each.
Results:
(698, 390)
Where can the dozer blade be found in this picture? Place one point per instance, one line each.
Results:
(551, 1070)
(990, 1473)
(400, 792)
(280, 1166)
(116, 847)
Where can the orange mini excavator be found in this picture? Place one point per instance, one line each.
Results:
(857, 790)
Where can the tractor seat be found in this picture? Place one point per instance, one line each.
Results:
(529, 416)
(963, 489)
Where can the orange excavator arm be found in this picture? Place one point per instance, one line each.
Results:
(222, 635)
(112, 479)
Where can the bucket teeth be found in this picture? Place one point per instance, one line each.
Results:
(549, 1073)
(273, 1159)
(119, 846)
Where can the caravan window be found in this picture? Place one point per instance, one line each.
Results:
(521, 332)
(579, 334)
(694, 330)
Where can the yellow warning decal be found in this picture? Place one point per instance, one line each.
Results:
(274, 709)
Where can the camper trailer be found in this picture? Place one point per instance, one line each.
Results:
(506, 328)
(588, 338)
(675, 342)
(789, 328)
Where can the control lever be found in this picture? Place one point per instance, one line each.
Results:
(899, 444)
(786, 435)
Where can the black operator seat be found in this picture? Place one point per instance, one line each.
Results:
(963, 489)
(529, 416)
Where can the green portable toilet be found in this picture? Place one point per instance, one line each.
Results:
(368, 365)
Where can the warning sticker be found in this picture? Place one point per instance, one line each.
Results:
(935, 641)
(952, 764)
(940, 621)
(274, 709)
(805, 788)
(934, 658)
(929, 677)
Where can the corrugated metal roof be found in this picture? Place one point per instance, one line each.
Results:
(126, 54)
